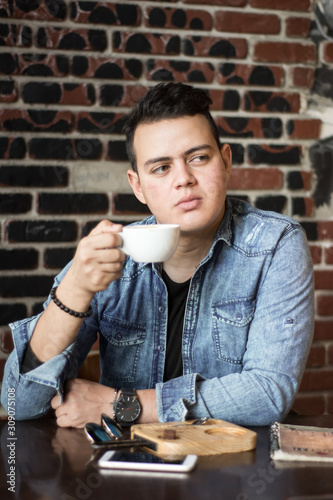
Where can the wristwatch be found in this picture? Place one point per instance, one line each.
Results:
(127, 408)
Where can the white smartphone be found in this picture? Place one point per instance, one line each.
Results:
(143, 461)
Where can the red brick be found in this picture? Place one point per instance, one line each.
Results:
(316, 254)
(317, 380)
(329, 255)
(325, 305)
(302, 77)
(328, 52)
(284, 52)
(325, 230)
(330, 354)
(323, 280)
(300, 5)
(298, 26)
(158, 69)
(7, 344)
(309, 207)
(305, 129)
(316, 358)
(239, 22)
(2, 367)
(56, 39)
(309, 405)
(307, 180)
(323, 330)
(252, 178)
(330, 404)
(190, 16)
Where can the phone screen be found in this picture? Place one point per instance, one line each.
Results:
(141, 460)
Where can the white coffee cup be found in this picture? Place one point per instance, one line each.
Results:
(150, 243)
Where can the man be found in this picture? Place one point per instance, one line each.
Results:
(222, 329)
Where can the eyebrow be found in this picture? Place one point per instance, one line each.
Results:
(168, 158)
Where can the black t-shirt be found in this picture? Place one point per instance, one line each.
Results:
(177, 296)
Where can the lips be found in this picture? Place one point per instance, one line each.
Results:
(188, 202)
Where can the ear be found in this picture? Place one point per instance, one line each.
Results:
(227, 157)
(134, 182)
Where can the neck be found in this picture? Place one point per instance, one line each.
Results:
(190, 252)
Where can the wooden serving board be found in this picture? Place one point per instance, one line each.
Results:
(214, 437)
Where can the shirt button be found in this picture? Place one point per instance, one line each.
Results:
(161, 309)
(118, 336)
(160, 348)
(239, 317)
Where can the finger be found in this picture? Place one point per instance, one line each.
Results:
(112, 256)
(55, 402)
(105, 240)
(106, 226)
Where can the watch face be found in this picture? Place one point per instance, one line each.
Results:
(128, 409)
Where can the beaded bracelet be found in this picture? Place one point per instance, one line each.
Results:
(66, 309)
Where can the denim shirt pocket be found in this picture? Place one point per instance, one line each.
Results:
(231, 322)
(124, 341)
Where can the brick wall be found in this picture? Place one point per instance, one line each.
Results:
(70, 70)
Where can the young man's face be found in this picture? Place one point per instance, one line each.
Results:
(182, 174)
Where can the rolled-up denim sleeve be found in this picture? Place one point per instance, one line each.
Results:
(279, 340)
(35, 388)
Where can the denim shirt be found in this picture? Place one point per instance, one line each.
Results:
(247, 331)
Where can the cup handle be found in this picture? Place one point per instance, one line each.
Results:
(123, 246)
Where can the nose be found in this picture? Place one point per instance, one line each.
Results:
(184, 175)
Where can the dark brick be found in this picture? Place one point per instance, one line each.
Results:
(35, 120)
(41, 230)
(37, 308)
(295, 180)
(321, 156)
(145, 43)
(36, 64)
(236, 126)
(18, 259)
(58, 258)
(109, 123)
(33, 176)
(274, 203)
(181, 71)
(159, 17)
(12, 312)
(274, 155)
(15, 35)
(8, 91)
(69, 39)
(237, 153)
(205, 46)
(117, 151)
(15, 203)
(7, 343)
(11, 147)
(110, 14)
(56, 93)
(121, 95)
(123, 203)
(73, 203)
(40, 92)
(311, 230)
(65, 149)
(115, 69)
(8, 63)
(25, 286)
(89, 226)
(281, 102)
(34, 10)
(244, 74)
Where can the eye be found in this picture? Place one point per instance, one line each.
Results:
(199, 159)
(161, 169)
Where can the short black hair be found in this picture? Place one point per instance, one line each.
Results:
(166, 101)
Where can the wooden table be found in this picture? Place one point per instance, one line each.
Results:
(58, 464)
